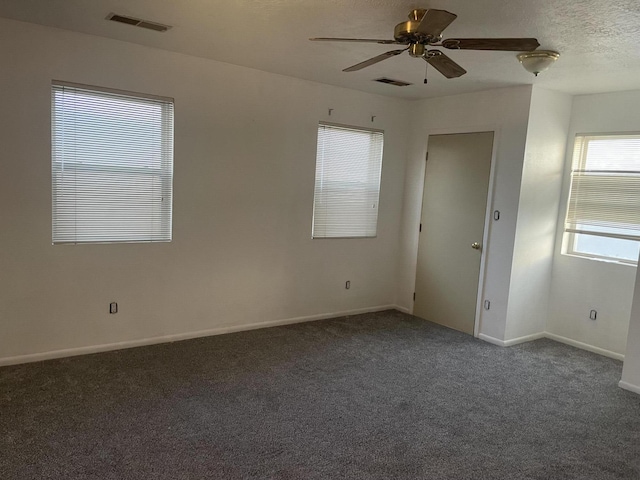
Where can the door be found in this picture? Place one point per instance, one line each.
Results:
(452, 227)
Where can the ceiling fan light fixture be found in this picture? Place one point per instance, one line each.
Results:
(538, 60)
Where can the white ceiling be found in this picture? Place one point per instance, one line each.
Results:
(598, 39)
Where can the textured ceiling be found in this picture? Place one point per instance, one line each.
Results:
(598, 40)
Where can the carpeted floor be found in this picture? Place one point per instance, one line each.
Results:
(375, 396)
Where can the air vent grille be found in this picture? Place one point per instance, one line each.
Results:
(136, 22)
(390, 81)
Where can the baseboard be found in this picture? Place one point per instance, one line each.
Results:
(629, 386)
(551, 336)
(584, 346)
(491, 340)
(525, 339)
(511, 342)
(72, 352)
(402, 309)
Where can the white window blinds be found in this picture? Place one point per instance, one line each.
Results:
(604, 199)
(112, 166)
(347, 188)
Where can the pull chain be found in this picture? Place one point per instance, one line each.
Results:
(426, 69)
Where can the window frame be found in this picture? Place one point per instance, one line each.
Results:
(163, 171)
(571, 235)
(367, 130)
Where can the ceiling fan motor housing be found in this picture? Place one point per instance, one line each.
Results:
(407, 32)
(416, 50)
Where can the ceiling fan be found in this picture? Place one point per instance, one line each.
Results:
(423, 30)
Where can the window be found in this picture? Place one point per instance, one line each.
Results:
(348, 166)
(111, 166)
(603, 215)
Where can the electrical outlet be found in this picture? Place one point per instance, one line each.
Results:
(113, 307)
(347, 284)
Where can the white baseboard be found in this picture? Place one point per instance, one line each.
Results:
(402, 309)
(72, 352)
(629, 386)
(491, 340)
(584, 346)
(551, 336)
(511, 342)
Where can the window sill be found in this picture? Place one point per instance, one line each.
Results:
(626, 263)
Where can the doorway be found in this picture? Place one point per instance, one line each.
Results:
(452, 226)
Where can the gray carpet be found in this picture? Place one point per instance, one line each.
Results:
(376, 396)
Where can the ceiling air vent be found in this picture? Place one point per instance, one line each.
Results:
(136, 22)
(390, 81)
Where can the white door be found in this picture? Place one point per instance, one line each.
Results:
(452, 226)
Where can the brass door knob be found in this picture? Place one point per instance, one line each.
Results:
(475, 246)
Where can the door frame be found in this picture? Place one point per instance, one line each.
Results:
(488, 211)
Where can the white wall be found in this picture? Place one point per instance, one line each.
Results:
(540, 188)
(579, 284)
(631, 369)
(506, 111)
(243, 195)
(245, 144)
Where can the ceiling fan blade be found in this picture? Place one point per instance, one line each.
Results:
(444, 64)
(360, 40)
(435, 21)
(376, 59)
(507, 44)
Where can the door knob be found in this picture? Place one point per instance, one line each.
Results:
(475, 246)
